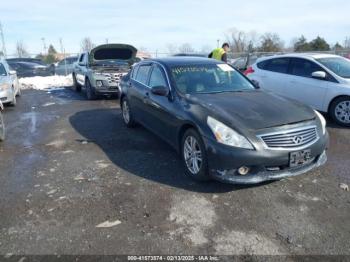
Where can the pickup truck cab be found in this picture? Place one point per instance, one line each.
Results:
(100, 70)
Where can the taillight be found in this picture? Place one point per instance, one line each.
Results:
(249, 70)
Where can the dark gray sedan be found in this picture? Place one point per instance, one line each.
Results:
(222, 126)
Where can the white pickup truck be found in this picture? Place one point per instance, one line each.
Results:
(100, 70)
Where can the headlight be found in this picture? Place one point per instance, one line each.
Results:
(323, 121)
(226, 135)
(3, 87)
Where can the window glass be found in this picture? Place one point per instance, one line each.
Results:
(303, 67)
(339, 65)
(157, 77)
(209, 78)
(2, 70)
(278, 65)
(142, 74)
(134, 72)
(82, 58)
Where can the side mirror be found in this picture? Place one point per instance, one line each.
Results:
(160, 90)
(12, 72)
(319, 75)
(256, 84)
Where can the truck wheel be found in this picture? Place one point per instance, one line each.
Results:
(2, 128)
(90, 93)
(76, 85)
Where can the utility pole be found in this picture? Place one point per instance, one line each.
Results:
(44, 45)
(106, 40)
(2, 40)
(218, 42)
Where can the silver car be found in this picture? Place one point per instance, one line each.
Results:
(2, 126)
(65, 66)
(9, 86)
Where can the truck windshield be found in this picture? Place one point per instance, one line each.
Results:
(209, 78)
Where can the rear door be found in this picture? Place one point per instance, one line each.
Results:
(273, 74)
(138, 90)
(302, 86)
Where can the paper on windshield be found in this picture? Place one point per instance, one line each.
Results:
(225, 67)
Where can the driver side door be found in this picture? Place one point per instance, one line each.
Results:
(160, 109)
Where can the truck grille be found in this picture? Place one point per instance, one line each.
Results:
(293, 138)
(113, 78)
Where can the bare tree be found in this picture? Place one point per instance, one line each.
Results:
(86, 44)
(186, 48)
(21, 50)
(172, 49)
(241, 41)
(206, 49)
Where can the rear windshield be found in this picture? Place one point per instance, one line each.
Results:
(113, 54)
(339, 65)
(209, 78)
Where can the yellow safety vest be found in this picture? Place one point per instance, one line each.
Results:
(217, 53)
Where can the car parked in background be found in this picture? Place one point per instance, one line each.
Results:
(9, 86)
(242, 63)
(65, 66)
(30, 69)
(100, 70)
(321, 81)
(26, 59)
(2, 124)
(223, 126)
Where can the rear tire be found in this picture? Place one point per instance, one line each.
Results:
(2, 128)
(194, 156)
(90, 93)
(339, 111)
(127, 115)
(76, 85)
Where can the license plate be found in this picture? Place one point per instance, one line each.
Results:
(299, 158)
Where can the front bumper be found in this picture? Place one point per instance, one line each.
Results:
(264, 164)
(6, 96)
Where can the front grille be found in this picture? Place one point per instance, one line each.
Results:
(113, 78)
(293, 138)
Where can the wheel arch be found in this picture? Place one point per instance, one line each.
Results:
(181, 132)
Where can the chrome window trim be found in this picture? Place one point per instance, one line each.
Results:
(285, 132)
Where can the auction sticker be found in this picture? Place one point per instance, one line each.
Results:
(225, 67)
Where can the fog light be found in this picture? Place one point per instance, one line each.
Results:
(243, 170)
(99, 83)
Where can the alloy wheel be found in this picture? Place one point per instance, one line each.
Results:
(126, 111)
(342, 112)
(192, 155)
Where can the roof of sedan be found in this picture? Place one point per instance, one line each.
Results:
(301, 55)
(185, 60)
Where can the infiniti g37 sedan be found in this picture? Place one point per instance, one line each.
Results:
(222, 126)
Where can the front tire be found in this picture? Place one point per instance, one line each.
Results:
(2, 128)
(340, 111)
(194, 156)
(90, 93)
(128, 117)
(76, 85)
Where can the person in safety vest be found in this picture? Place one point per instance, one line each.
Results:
(220, 53)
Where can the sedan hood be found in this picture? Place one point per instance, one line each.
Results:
(110, 52)
(253, 109)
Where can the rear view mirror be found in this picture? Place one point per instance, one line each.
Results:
(319, 75)
(160, 90)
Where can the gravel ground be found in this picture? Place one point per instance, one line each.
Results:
(75, 181)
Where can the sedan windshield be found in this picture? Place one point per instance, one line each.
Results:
(209, 78)
(338, 65)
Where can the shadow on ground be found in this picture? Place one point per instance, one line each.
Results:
(138, 151)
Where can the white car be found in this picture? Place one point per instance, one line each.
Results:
(9, 86)
(321, 81)
(2, 126)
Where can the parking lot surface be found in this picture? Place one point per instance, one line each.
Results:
(75, 180)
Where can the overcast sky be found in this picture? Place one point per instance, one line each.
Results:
(155, 23)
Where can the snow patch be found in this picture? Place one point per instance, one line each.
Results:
(45, 82)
